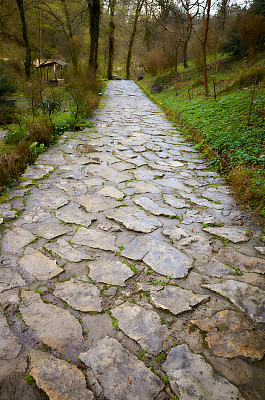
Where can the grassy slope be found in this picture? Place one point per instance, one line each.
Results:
(220, 126)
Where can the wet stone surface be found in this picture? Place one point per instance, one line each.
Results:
(127, 269)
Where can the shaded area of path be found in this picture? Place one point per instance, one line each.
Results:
(127, 269)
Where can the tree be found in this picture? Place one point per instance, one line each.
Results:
(94, 7)
(28, 59)
(139, 5)
(112, 4)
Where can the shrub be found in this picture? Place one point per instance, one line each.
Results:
(15, 134)
(40, 130)
(7, 105)
(155, 61)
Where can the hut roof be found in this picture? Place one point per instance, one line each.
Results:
(48, 63)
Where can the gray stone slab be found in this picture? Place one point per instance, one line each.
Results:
(192, 378)
(1, 221)
(173, 184)
(176, 233)
(110, 272)
(50, 230)
(51, 200)
(80, 295)
(121, 374)
(134, 219)
(174, 201)
(248, 298)
(16, 239)
(38, 171)
(142, 325)
(73, 214)
(55, 326)
(242, 261)
(110, 191)
(95, 239)
(232, 233)
(149, 205)
(6, 211)
(216, 268)
(95, 204)
(9, 345)
(10, 279)
(138, 248)
(143, 187)
(176, 299)
(194, 216)
(57, 378)
(63, 249)
(38, 266)
(72, 187)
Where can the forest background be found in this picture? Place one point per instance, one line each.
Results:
(206, 57)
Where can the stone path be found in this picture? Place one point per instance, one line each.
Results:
(128, 271)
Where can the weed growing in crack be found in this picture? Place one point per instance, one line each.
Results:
(115, 323)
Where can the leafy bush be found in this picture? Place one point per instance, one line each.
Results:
(7, 105)
(15, 134)
(40, 130)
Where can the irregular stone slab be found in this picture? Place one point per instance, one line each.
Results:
(63, 249)
(123, 166)
(38, 265)
(249, 299)
(192, 378)
(176, 233)
(242, 261)
(9, 345)
(142, 325)
(217, 195)
(138, 248)
(50, 230)
(80, 295)
(104, 157)
(176, 299)
(10, 279)
(231, 335)
(90, 182)
(261, 250)
(173, 184)
(72, 214)
(109, 227)
(38, 171)
(110, 191)
(6, 211)
(216, 268)
(143, 187)
(70, 186)
(95, 204)
(109, 173)
(95, 239)
(149, 205)
(55, 327)
(174, 201)
(193, 216)
(15, 240)
(134, 219)
(111, 363)
(144, 174)
(1, 221)
(111, 272)
(232, 233)
(51, 200)
(37, 214)
(57, 378)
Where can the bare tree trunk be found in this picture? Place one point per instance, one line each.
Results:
(129, 54)
(203, 43)
(186, 41)
(112, 4)
(72, 48)
(28, 59)
(94, 8)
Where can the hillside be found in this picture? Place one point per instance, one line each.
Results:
(228, 125)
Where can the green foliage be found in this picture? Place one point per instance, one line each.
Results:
(159, 283)
(165, 379)
(141, 353)
(7, 105)
(15, 134)
(115, 323)
(28, 378)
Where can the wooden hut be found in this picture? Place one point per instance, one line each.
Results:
(51, 72)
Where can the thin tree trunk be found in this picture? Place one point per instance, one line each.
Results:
(129, 54)
(28, 59)
(94, 8)
(203, 43)
(111, 39)
(72, 48)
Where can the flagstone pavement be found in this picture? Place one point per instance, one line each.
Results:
(128, 270)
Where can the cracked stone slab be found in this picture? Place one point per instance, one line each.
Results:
(110, 191)
(38, 265)
(73, 214)
(173, 184)
(6, 211)
(174, 201)
(95, 204)
(216, 268)
(95, 239)
(248, 298)
(80, 295)
(16, 239)
(134, 219)
(230, 335)
(51, 230)
(73, 187)
(110, 272)
(51, 200)
(57, 378)
(194, 216)
(158, 255)
(176, 299)
(38, 171)
(232, 233)
(10, 279)
(144, 326)
(176, 233)
(242, 261)
(143, 187)
(9, 345)
(192, 378)
(55, 327)
(149, 205)
(63, 249)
